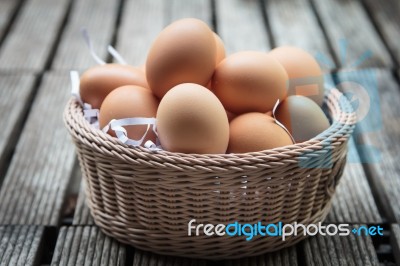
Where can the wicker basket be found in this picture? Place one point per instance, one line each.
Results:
(146, 198)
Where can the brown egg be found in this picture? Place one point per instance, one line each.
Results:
(98, 81)
(305, 75)
(191, 119)
(184, 52)
(220, 49)
(252, 132)
(249, 82)
(129, 102)
(302, 117)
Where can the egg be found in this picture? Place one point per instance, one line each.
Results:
(98, 81)
(249, 81)
(305, 75)
(302, 117)
(220, 49)
(129, 102)
(254, 131)
(184, 52)
(191, 119)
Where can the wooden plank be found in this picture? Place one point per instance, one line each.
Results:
(32, 36)
(386, 16)
(395, 241)
(20, 245)
(145, 258)
(15, 92)
(87, 245)
(7, 9)
(141, 22)
(287, 256)
(98, 17)
(200, 9)
(241, 25)
(294, 23)
(377, 134)
(352, 34)
(353, 201)
(82, 214)
(339, 250)
(35, 185)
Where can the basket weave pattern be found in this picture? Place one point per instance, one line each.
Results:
(146, 198)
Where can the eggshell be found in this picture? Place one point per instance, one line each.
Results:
(98, 81)
(253, 132)
(184, 52)
(220, 49)
(305, 75)
(302, 117)
(128, 102)
(249, 82)
(191, 119)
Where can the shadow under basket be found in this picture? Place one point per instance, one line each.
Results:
(146, 198)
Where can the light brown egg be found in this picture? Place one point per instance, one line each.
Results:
(191, 119)
(98, 81)
(305, 75)
(220, 49)
(184, 52)
(253, 132)
(249, 82)
(302, 117)
(129, 102)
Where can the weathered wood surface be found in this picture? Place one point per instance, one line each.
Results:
(176, 9)
(31, 37)
(241, 25)
(99, 19)
(338, 250)
(7, 10)
(353, 201)
(377, 133)
(144, 258)
(386, 16)
(34, 188)
(141, 22)
(87, 246)
(15, 93)
(82, 214)
(395, 241)
(20, 245)
(287, 256)
(294, 23)
(352, 34)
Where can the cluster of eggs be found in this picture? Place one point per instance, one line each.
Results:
(205, 102)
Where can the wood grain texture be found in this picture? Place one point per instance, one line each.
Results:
(241, 25)
(339, 250)
(20, 245)
(352, 34)
(287, 256)
(87, 245)
(386, 16)
(395, 241)
(7, 8)
(353, 201)
(31, 38)
(144, 258)
(178, 9)
(82, 214)
(35, 185)
(377, 133)
(15, 92)
(294, 23)
(141, 22)
(98, 17)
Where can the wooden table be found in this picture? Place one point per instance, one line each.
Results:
(43, 216)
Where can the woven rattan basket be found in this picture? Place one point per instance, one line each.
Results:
(146, 198)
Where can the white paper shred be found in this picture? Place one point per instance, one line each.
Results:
(117, 56)
(89, 44)
(279, 123)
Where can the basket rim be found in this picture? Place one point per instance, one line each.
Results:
(339, 131)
